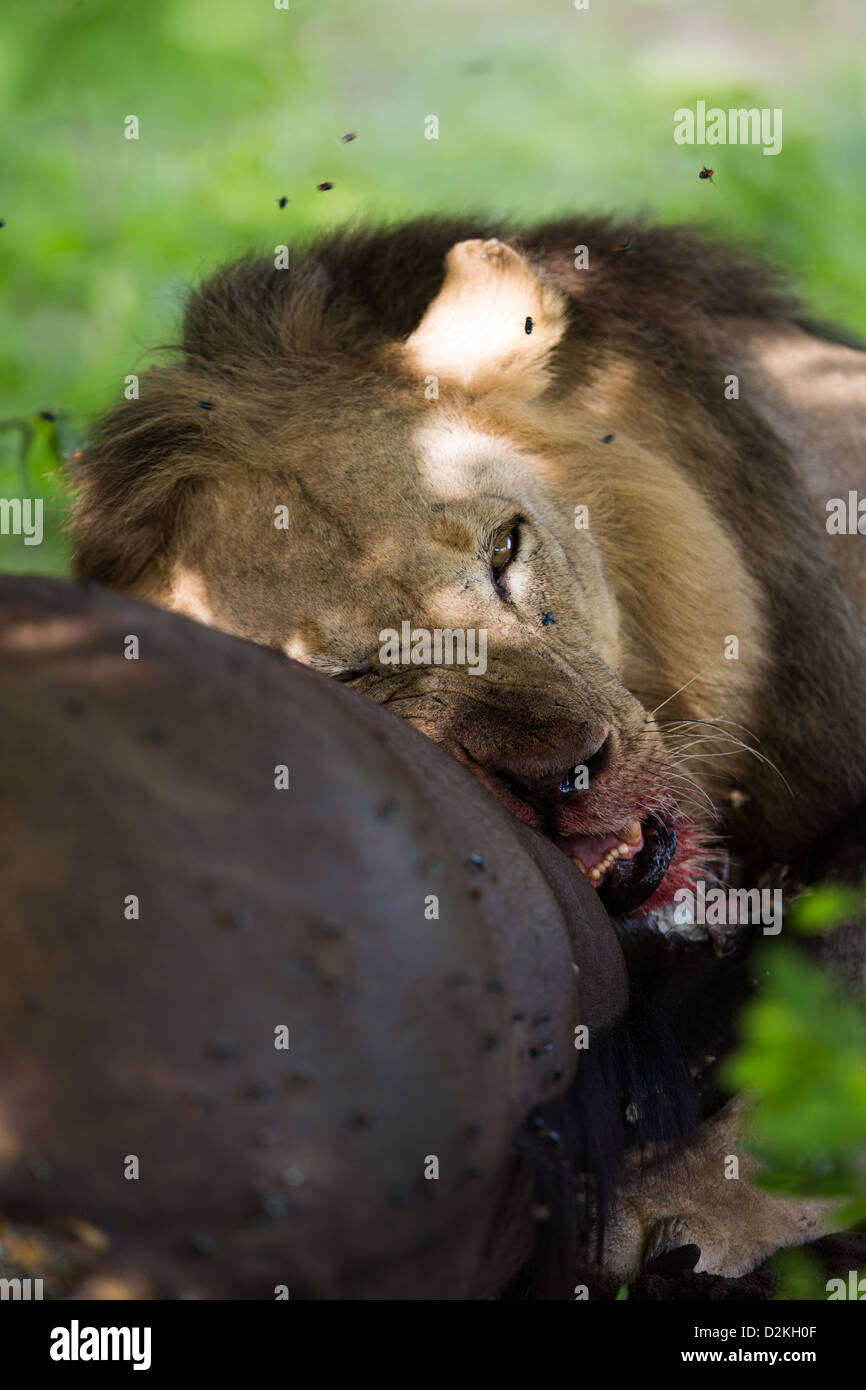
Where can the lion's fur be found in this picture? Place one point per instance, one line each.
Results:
(701, 527)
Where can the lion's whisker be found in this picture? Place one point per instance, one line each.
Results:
(654, 712)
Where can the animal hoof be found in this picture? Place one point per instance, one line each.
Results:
(669, 1252)
(672, 1263)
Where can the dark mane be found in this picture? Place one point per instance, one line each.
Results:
(360, 287)
(253, 336)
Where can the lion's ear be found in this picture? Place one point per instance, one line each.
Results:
(492, 324)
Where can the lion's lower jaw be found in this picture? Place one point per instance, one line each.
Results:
(677, 908)
(653, 875)
(674, 907)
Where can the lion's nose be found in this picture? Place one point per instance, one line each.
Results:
(534, 781)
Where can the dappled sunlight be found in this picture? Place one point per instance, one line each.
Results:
(383, 553)
(50, 634)
(10, 1145)
(189, 595)
(448, 453)
(823, 374)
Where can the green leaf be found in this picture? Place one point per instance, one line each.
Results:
(825, 907)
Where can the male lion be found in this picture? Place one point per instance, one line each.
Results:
(617, 468)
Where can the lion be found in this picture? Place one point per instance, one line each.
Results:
(624, 471)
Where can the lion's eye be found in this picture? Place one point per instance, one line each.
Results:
(503, 550)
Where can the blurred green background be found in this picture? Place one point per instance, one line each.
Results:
(543, 108)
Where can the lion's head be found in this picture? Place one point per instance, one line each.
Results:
(360, 453)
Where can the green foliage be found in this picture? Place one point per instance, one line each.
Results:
(33, 452)
(798, 1278)
(803, 1058)
(825, 907)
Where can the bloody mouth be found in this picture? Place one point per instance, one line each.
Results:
(629, 865)
(639, 866)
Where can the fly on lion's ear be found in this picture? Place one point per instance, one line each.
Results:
(527, 327)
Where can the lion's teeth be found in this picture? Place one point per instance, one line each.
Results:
(631, 833)
(628, 838)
